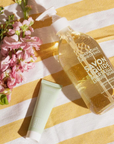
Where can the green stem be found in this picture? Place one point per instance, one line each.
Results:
(21, 7)
(25, 14)
(23, 35)
(25, 3)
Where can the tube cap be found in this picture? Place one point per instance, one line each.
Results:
(33, 135)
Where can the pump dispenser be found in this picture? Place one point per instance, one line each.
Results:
(85, 64)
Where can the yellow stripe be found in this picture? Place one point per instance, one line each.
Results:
(102, 34)
(101, 136)
(14, 130)
(66, 112)
(19, 128)
(59, 114)
(112, 60)
(73, 11)
(40, 24)
(6, 2)
(84, 7)
(31, 89)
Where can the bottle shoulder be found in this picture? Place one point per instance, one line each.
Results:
(79, 38)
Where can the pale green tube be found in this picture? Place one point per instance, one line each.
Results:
(44, 104)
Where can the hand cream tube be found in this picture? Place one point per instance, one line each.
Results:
(44, 104)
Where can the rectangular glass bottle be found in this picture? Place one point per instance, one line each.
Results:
(88, 68)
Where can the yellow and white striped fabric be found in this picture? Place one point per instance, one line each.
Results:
(70, 121)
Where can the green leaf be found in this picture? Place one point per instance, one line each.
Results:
(1, 9)
(3, 99)
(18, 1)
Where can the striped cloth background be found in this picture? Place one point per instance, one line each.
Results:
(70, 121)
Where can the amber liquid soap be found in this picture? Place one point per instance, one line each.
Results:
(88, 68)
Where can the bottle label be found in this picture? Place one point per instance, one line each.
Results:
(100, 67)
(97, 67)
(89, 53)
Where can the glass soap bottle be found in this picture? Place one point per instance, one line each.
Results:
(85, 64)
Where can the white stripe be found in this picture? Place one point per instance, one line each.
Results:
(59, 3)
(93, 21)
(73, 128)
(16, 112)
(108, 48)
(76, 127)
(25, 108)
(38, 6)
(22, 140)
(83, 24)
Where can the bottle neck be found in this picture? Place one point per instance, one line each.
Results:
(65, 33)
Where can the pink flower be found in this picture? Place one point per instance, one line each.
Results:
(28, 32)
(4, 64)
(26, 64)
(1, 88)
(31, 20)
(4, 50)
(11, 82)
(15, 77)
(32, 41)
(29, 53)
(26, 55)
(11, 31)
(13, 72)
(16, 27)
(11, 42)
(19, 78)
(28, 22)
(13, 60)
(31, 29)
(19, 54)
(17, 24)
(6, 73)
(9, 97)
(30, 65)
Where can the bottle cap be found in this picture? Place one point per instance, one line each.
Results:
(48, 13)
(58, 23)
